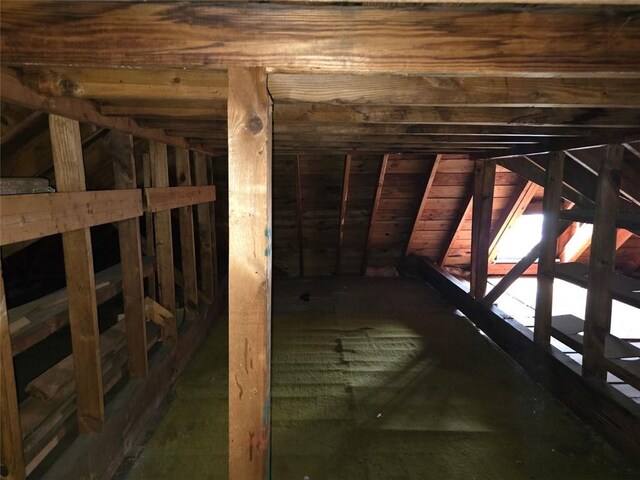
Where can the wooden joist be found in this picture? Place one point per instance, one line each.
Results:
(374, 211)
(423, 203)
(483, 186)
(343, 210)
(158, 199)
(628, 220)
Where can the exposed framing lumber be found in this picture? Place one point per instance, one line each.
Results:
(78, 261)
(464, 213)
(622, 236)
(299, 216)
(11, 451)
(598, 308)
(483, 184)
(208, 268)
(212, 208)
(548, 248)
(249, 274)
(517, 205)
(187, 240)
(149, 246)
(160, 35)
(343, 210)
(124, 174)
(577, 244)
(374, 212)
(158, 199)
(164, 241)
(423, 203)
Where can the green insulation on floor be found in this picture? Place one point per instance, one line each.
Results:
(379, 379)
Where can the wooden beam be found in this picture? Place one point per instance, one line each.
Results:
(124, 174)
(158, 199)
(11, 451)
(518, 203)
(577, 244)
(249, 274)
(205, 231)
(548, 248)
(374, 212)
(331, 38)
(149, 229)
(483, 183)
(299, 217)
(164, 241)
(597, 320)
(622, 236)
(343, 210)
(423, 203)
(78, 262)
(187, 240)
(463, 215)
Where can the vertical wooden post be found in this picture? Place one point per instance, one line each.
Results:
(164, 242)
(148, 225)
(66, 147)
(483, 183)
(187, 241)
(11, 450)
(597, 320)
(343, 210)
(249, 120)
(205, 234)
(299, 217)
(548, 248)
(124, 174)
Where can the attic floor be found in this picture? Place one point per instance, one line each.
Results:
(378, 379)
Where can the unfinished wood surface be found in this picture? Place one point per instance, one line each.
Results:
(483, 186)
(463, 215)
(207, 250)
(249, 274)
(27, 217)
(187, 240)
(299, 224)
(423, 203)
(598, 308)
(81, 288)
(374, 211)
(164, 240)
(11, 452)
(343, 210)
(124, 174)
(548, 248)
(331, 38)
(158, 199)
(149, 247)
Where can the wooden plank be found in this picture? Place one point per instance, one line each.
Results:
(187, 240)
(483, 184)
(343, 210)
(26, 217)
(423, 203)
(597, 317)
(577, 244)
(164, 241)
(205, 231)
(11, 452)
(149, 230)
(124, 174)
(21, 186)
(299, 217)
(518, 203)
(374, 211)
(548, 248)
(459, 221)
(331, 38)
(249, 274)
(78, 262)
(158, 199)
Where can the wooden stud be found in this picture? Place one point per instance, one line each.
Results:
(548, 248)
(423, 203)
(124, 174)
(205, 231)
(78, 261)
(597, 319)
(343, 210)
(299, 217)
(164, 241)
(187, 240)
(149, 237)
(249, 274)
(483, 183)
(374, 211)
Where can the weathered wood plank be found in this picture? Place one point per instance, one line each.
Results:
(208, 270)
(597, 319)
(158, 199)
(483, 184)
(343, 210)
(124, 174)
(423, 203)
(78, 261)
(249, 274)
(374, 212)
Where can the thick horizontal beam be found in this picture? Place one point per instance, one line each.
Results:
(25, 217)
(504, 41)
(158, 199)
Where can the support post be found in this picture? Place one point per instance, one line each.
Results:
(483, 183)
(124, 174)
(548, 248)
(597, 320)
(249, 120)
(205, 232)
(66, 146)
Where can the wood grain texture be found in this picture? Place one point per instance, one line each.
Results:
(597, 319)
(124, 174)
(206, 235)
(158, 199)
(423, 203)
(332, 38)
(249, 274)
(164, 241)
(78, 261)
(483, 187)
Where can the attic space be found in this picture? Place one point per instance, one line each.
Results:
(317, 240)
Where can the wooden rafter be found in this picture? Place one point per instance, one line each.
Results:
(423, 203)
(463, 215)
(343, 210)
(374, 212)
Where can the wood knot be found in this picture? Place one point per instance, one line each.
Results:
(67, 87)
(255, 124)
